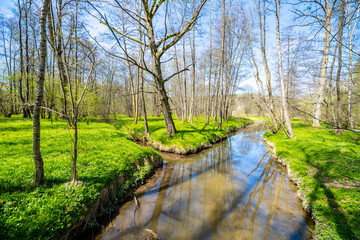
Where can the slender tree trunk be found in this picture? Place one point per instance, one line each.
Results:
(323, 67)
(338, 87)
(77, 79)
(74, 180)
(262, 25)
(222, 62)
(8, 69)
(210, 69)
(27, 57)
(290, 132)
(132, 87)
(180, 85)
(39, 165)
(216, 95)
(351, 82)
(185, 97)
(331, 86)
(141, 76)
(144, 104)
(58, 48)
(23, 102)
(192, 104)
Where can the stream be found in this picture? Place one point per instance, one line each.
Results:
(234, 190)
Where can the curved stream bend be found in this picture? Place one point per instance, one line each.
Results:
(232, 191)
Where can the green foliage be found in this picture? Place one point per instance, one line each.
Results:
(39, 212)
(327, 168)
(189, 136)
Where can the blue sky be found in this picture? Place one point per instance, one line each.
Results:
(286, 15)
(5, 6)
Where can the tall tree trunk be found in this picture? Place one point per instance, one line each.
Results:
(39, 165)
(146, 129)
(185, 97)
(141, 76)
(179, 85)
(159, 81)
(8, 69)
(350, 82)
(323, 67)
(56, 39)
(192, 47)
(290, 132)
(132, 87)
(77, 79)
(338, 87)
(222, 62)
(216, 95)
(210, 69)
(58, 48)
(331, 86)
(262, 26)
(25, 108)
(27, 57)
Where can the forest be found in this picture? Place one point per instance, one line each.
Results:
(104, 103)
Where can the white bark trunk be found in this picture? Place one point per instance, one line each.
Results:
(290, 132)
(324, 65)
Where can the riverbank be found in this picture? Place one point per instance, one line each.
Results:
(109, 166)
(326, 169)
(189, 138)
(233, 190)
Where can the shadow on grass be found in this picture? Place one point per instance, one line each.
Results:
(332, 211)
(49, 183)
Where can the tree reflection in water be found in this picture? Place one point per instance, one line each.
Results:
(232, 191)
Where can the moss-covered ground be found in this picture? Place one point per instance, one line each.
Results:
(327, 170)
(41, 212)
(189, 138)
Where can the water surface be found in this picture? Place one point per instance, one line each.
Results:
(234, 190)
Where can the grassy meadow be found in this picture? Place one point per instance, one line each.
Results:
(41, 212)
(189, 138)
(326, 168)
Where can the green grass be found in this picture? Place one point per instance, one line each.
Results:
(327, 169)
(257, 118)
(40, 212)
(189, 138)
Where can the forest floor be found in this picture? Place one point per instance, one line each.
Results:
(189, 138)
(48, 211)
(326, 169)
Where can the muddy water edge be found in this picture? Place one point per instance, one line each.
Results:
(234, 190)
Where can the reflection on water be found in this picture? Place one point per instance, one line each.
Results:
(232, 191)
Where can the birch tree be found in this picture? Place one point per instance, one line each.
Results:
(289, 131)
(39, 165)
